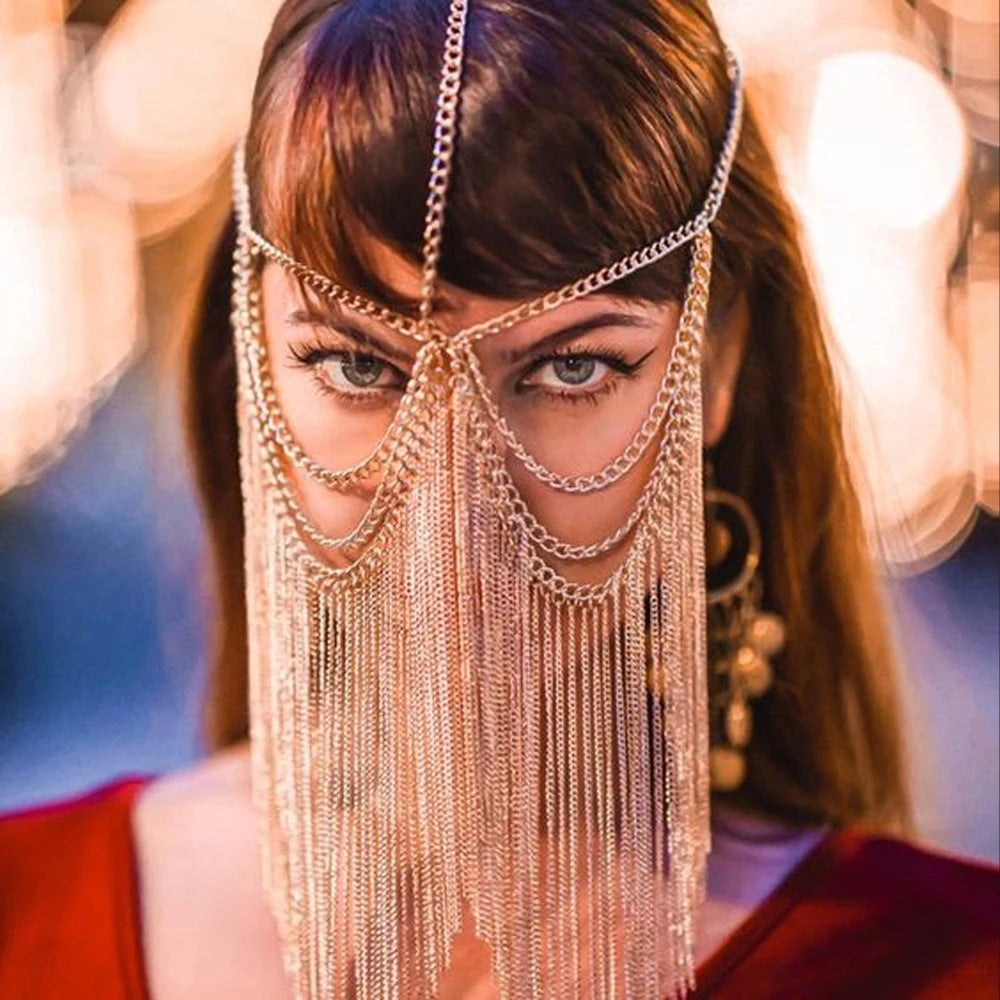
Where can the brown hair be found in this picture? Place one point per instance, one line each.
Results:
(582, 137)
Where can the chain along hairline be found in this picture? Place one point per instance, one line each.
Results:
(424, 328)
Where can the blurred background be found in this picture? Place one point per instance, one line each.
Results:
(116, 123)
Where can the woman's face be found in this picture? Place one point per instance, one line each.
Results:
(574, 384)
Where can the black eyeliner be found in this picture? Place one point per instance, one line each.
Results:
(311, 353)
(613, 359)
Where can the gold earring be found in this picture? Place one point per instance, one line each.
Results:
(742, 639)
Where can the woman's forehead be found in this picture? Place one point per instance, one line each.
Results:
(457, 310)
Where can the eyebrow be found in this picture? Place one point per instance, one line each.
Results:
(334, 320)
(572, 332)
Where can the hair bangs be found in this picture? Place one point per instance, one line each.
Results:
(564, 163)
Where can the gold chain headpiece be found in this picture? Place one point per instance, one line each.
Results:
(442, 720)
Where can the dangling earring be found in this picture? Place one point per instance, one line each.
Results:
(741, 638)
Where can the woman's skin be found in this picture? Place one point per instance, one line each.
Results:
(207, 931)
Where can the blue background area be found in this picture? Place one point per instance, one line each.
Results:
(101, 652)
(102, 625)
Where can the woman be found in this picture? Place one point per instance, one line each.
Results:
(464, 463)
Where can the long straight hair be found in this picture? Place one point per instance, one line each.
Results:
(582, 138)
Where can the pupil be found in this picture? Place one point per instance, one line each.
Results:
(362, 371)
(574, 371)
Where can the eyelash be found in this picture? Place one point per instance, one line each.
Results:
(310, 354)
(614, 359)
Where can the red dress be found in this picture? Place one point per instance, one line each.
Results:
(860, 917)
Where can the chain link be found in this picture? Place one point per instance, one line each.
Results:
(519, 516)
(274, 440)
(445, 131)
(330, 289)
(686, 349)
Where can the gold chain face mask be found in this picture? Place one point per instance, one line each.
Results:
(441, 721)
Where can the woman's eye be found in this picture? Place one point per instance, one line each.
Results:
(357, 377)
(574, 371)
(350, 372)
(362, 372)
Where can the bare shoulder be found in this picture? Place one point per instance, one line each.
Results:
(217, 787)
(197, 824)
(206, 927)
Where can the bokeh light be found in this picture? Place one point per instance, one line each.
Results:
(880, 114)
(877, 171)
(172, 85)
(68, 260)
(107, 140)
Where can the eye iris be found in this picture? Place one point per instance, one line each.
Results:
(362, 372)
(574, 371)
